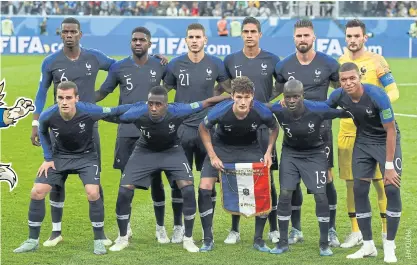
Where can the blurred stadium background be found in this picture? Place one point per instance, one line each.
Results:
(106, 26)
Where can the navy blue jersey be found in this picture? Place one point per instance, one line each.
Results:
(134, 82)
(83, 72)
(233, 131)
(160, 135)
(260, 71)
(194, 81)
(74, 137)
(370, 113)
(316, 76)
(303, 134)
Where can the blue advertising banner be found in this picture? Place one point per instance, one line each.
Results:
(112, 36)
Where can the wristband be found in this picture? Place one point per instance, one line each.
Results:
(35, 123)
(389, 165)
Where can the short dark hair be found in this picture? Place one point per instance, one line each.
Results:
(303, 23)
(142, 30)
(196, 26)
(243, 85)
(159, 91)
(251, 20)
(348, 67)
(71, 20)
(356, 23)
(67, 85)
(293, 84)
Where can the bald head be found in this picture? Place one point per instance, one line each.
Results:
(293, 87)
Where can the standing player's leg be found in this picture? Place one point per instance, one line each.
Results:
(345, 149)
(56, 200)
(208, 179)
(330, 188)
(137, 173)
(89, 171)
(97, 145)
(36, 214)
(176, 167)
(363, 172)
(313, 171)
(158, 198)
(394, 206)
(378, 184)
(123, 150)
(177, 209)
(296, 235)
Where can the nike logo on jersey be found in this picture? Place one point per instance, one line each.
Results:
(61, 69)
(127, 75)
(237, 66)
(290, 73)
(182, 70)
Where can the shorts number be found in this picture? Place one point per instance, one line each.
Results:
(63, 77)
(129, 84)
(96, 166)
(187, 79)
(321, 179)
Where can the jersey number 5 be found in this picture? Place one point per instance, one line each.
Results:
(129, 84)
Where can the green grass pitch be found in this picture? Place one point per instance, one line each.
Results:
(22, 75)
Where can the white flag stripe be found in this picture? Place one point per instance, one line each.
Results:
(247, 204)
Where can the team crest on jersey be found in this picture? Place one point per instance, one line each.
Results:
(317, 75)
(254, 126)
(171, 127)
(82, 127)
(363, 70)
(153, 75)
(264, 69)
(311, 127)
(88, 67)
(370, 112)
(209, 72)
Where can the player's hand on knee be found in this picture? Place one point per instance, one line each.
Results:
(35, 136)
(44, 168)
(217, 163)
(268, 160)
(391, 177)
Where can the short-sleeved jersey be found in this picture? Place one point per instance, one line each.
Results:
(315, 76)
(370, 113)
(373, 67)
(160, 135)
(194, 81)
(134, 82)
(83, 72)
(302, 135)
(233, 131)
(74, 137)
(260, 71)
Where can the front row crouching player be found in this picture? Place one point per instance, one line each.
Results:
(303, 157)
(158, 149)
(69, 155)
(235, 141)
(377, 142)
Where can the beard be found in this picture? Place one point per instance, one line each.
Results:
(304, 48)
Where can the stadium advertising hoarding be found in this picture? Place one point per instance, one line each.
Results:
(100, 32)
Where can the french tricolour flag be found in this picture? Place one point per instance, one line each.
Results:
(246, 189)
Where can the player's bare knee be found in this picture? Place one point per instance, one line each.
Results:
(130, 187)
(39, 191)
(92, 191)
(207, 183)
(184, 183)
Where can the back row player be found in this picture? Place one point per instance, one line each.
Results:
(316, 71)
(258, 65)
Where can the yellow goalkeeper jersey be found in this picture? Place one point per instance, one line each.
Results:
(374, 70)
